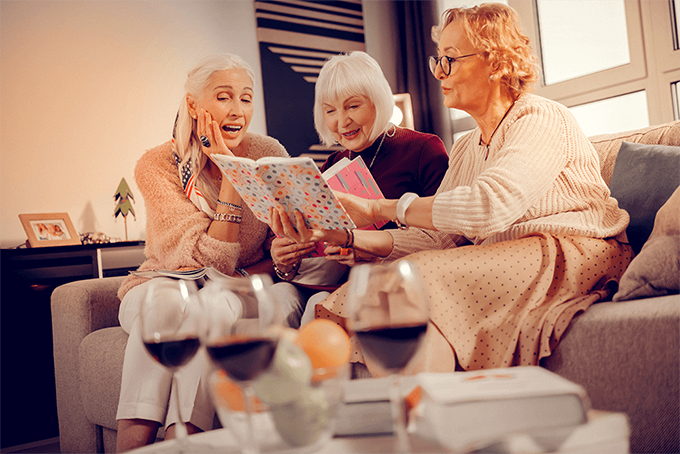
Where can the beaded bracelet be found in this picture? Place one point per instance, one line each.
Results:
(350, 239)
(227, 217)
(231, 206)
(289, 274)
(242, 272)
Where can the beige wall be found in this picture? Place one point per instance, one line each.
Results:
(87, 86)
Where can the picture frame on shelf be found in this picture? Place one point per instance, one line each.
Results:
(49, 229)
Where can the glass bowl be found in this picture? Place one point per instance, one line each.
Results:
(294, 410)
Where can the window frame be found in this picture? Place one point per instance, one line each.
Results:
(654, 64)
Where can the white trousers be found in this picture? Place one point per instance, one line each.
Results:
(146, 388)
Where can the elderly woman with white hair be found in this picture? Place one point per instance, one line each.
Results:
(195, 218)
(353, 106)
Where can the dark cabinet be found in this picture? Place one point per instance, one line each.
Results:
(28, 411)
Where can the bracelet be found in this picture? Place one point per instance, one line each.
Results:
(402, 205)
(225, 217)
(232, 206)
(242, 272)
(285, 276)
(350, 239)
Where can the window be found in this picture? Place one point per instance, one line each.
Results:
(593, 44)
(615, 74)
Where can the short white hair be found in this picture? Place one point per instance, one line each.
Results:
(352, 74)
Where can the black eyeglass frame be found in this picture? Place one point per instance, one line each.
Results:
(434, 61)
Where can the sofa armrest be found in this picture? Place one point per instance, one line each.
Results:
(78, 308)
(625, 355)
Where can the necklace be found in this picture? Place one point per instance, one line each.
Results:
(387, 133)
(481, 144)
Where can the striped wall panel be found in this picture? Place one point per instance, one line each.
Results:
(295, 39)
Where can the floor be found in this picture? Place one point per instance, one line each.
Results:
(50, 446)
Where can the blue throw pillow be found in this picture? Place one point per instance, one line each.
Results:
(643, 179)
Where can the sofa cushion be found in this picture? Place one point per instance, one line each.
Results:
(644, 177)
(608, 145)
(656, 271)
(101, 364)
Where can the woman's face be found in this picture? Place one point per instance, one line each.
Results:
(228, 97)
(467, 87)
(351, 121)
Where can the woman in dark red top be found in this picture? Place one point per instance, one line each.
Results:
(353, 107)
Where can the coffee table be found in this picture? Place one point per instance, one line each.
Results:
(222, 441)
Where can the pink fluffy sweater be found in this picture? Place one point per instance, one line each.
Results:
(176, 230)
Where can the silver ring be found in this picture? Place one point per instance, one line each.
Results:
(205, 141)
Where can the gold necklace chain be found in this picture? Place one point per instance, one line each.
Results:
(386, 133)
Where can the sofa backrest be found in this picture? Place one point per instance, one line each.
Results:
(607, 145)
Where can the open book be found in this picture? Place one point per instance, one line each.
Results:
(290, 183)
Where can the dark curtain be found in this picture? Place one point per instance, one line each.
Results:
(415, 19)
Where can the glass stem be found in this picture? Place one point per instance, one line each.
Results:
(251, 446)
(180, 428)
(398, 420)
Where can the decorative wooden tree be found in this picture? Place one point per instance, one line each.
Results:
(124, 199)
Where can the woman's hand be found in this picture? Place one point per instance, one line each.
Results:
(363, 212)
(281, 225)
(211, 129)
(287, 253)
(348, 256)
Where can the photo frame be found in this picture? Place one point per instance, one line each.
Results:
(49, 229)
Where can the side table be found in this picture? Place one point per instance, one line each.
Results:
(29, 275)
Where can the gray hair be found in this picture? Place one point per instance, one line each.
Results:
(352, 74)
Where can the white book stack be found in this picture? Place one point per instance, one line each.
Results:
(524, 409)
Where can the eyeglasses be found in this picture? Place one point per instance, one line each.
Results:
(444, 63)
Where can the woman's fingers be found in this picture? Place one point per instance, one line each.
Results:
(220, 145)
(288, 252)
(360, 210)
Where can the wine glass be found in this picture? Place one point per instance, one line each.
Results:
(389, 316)
(172, 321)
(242, 336)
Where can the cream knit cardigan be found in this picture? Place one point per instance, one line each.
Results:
(176, 230)
(542, 175)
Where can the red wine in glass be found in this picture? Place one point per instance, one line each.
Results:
(243, 359)
(173, 353)
(392, 346)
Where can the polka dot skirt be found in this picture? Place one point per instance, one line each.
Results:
(503, 304)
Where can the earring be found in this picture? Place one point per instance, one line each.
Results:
(492, 78)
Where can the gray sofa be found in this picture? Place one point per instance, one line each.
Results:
(626, 354)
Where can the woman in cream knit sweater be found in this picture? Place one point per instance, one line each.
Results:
(195, 218)
(522, 234)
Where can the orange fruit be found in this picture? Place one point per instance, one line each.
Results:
(229, 394)
(326, 343)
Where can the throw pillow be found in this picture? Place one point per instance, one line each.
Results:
(656, 270)
(644, 177)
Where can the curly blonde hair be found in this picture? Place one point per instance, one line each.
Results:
(494, 29)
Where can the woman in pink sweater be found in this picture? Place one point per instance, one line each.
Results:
(195, 218)
(522, 234)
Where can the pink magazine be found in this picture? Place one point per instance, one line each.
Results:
(355, 178)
